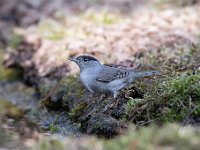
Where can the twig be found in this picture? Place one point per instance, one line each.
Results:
(186, 118)
(147, 122)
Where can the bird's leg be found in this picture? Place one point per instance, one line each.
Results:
(90, 89)
(115, 94)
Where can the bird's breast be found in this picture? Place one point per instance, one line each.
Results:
(89, 80)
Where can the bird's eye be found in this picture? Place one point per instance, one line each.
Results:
(85, 60)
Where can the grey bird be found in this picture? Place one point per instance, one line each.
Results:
(102, 79)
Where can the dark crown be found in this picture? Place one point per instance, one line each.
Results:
(88, 58)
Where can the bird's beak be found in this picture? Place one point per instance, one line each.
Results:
(72, 59)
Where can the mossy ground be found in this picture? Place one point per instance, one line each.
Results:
(8, 109)
(170, 136)
(8, 73)
(171, 100)
(152, 40)
(171, 97)
(174, 95)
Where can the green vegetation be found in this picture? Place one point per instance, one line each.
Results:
(77, 111)
(49, 143)
(74, 90)
(53, 128)
(8, 109)
(174, 95)
(103, 17)
(51, 30)
(182, 96)
(15, 40)
(170, 136)
(132, 103)
(171, 99)
(7, 73)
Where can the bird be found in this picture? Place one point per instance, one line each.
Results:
(104, 79)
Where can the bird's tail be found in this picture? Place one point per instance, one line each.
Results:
(145, 74)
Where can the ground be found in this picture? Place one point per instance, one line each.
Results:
(39, 87)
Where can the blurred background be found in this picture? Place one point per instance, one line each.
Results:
(37, 38)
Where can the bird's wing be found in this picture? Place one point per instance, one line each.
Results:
(108, 74)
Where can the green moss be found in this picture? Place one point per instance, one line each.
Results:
(8, 109)
(153, 137)
(73, 87)
(74, 93)
(171, 99)
(173, 61)
(131, 103)
(170, 136)
(182, 95)
(45, 89)
(51, 30)
(15, 40)
(7, 73)
(53, 128)
(104, 103)
(63, 95)
(174, 95)
(77, 111)
(49, 144)
(103, 17)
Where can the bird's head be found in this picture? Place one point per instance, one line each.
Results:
(85, 62)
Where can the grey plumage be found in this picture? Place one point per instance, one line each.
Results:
(100, 78)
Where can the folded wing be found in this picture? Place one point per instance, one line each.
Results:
(108, 74)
